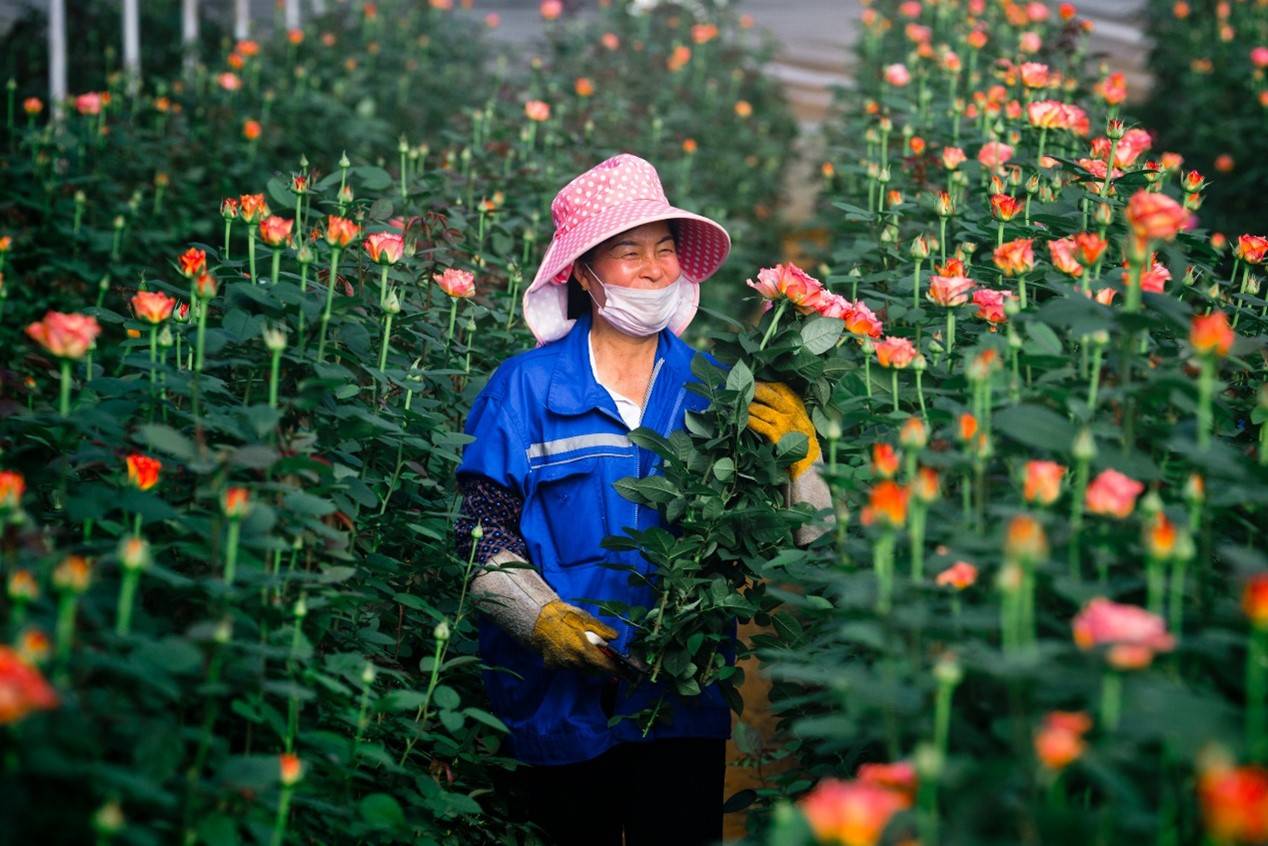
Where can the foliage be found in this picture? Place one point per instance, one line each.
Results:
(287, 587)
(1013, 706)
(1209, 98)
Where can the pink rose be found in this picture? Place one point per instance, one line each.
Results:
(1113, 494)
(897, 75)
(456, 283)
(1132, 634)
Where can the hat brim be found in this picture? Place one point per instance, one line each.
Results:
(703, 246)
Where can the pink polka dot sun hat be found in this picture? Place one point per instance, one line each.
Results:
(613, 196)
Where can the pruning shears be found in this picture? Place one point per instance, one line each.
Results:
(630, 668)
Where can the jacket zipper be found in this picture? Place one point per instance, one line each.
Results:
(646, 400)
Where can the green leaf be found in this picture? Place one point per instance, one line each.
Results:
(1035, 426)
(402, 700)
(304, 503)
(218, 830)
(262, 419)
(654, 490)
(724, 469)
(372, 178)
(446, 697)
(740, 378)
(819, 334)
(382, 811)
(165, 439)
(1044, 339)
(280, 193)
(488, 719)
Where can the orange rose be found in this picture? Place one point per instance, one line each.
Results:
(1059, 742)
(340, 232)
(895, 352)
(1025, 539)
(1210, 334)
(22, 688)
(12, 486)
(153, 306)
(1043, 482)
(1160, 536)
(1004, 207)
(1251, 248)
(1015, 257)
(1064, 257)
(1235, 803)
(1255, 600)
(276, 231)
(959, 575)
(887, 503)
(884, 460)
(251, 129)
(253, 208)
(67, 336)
(235, 502)
(143, 471)
(385, 247)
(851, 812)
(1155, 216)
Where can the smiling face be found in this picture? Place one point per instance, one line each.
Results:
(644, 257)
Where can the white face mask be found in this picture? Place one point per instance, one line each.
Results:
(636, 311)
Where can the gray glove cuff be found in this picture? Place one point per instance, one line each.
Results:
(512, 593)
(811, 489)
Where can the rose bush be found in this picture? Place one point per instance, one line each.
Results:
(249, 309)
(1037, 606)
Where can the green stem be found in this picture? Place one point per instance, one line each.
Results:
(63, 404)
(893, 386)
(251, 251)
(330, 296)
(1206, 387)
(1256, 656)
(274, 373)
(231, 550)
(774, 321)
(917, 538)
(123, 611)
(383, 287)
(66, 607)
(200, 338)
(277, 262)
(228, 229)
(1111, 699)
(1094, 384)
(283, 810)
(387, 337)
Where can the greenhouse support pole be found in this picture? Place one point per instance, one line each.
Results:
(292, 14)
(241, 19)
(57, 56)
(189, 33)
(132, 46)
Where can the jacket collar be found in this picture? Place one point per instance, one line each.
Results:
(573, 388)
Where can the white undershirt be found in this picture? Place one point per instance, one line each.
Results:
(630, 411)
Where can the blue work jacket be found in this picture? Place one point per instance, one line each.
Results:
(544, 428)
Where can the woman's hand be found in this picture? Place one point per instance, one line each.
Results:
(560, 636)
(775, 411)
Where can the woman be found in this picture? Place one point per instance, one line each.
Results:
(618, 284)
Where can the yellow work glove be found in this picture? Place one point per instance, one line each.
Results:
(560, 636)
(776, 411)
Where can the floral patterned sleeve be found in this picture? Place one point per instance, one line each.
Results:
(497, 509)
